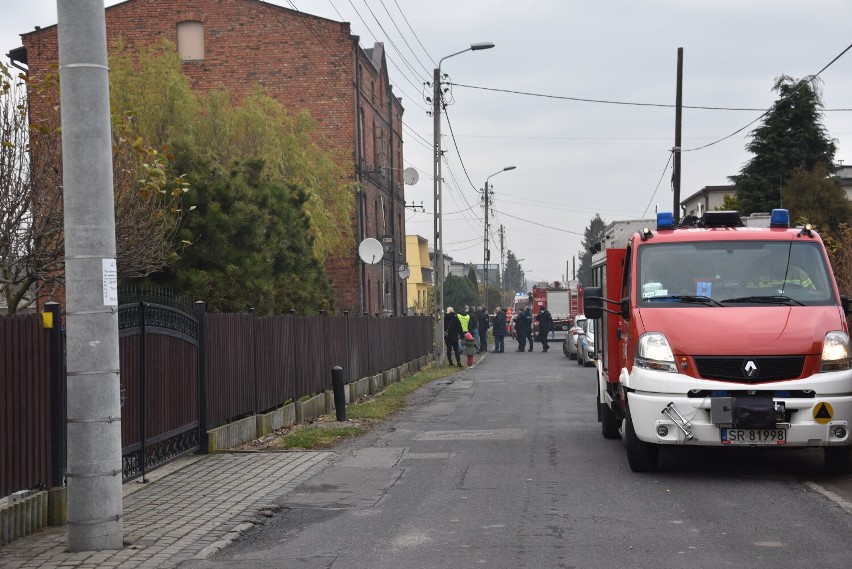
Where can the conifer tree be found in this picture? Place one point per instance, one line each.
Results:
(591, 236)
(790, 137)
(251, 245)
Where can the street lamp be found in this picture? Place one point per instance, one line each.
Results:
(485, 253)
(439, 253)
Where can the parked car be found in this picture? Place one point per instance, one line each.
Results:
(586, 344)
(569, 346)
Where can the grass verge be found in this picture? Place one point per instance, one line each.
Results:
(326, 431)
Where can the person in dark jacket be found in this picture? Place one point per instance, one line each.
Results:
(452, 333)
(484, 325)
(473, 328)
(545, 325)
(523, 329)
(499, 329)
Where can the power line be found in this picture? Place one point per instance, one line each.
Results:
(387, 36)
(458, 152)
(665, 169)
(776, 103)
(414, 33)
(403, 36)
(539, 224)
(613, 102)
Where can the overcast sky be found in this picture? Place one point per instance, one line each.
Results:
(576, 159)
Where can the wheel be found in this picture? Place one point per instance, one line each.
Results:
(838, 460)
(565, 349)
(641, 456)
(579, 356)
(609, 424)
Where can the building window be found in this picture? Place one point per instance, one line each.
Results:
(190, 40)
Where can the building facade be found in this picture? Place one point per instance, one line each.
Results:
(306, 63)
(421, 279)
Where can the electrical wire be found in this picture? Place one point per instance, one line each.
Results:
(665, 169)
(624, 103)
(428, 72)
(540, 224)
(414, 33)
(458, 152)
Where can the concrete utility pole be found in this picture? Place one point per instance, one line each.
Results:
(486, 252)
(438, 337)
(94, 409)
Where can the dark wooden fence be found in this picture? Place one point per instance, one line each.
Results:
(183, 371)
(25, 403)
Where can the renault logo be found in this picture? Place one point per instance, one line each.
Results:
(750, 368)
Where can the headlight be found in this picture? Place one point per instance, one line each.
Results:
(835, 352)
(653, 352)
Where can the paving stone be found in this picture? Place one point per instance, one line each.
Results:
(169, 519)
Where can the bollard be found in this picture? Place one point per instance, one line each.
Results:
(339, 393)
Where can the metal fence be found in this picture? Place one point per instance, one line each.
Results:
(183, 371)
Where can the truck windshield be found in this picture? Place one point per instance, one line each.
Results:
(733, 273)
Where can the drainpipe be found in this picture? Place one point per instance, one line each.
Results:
(391, 188)
(359, 151)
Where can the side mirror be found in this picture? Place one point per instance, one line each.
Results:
(593, 302)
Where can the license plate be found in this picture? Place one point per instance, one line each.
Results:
(754, 436)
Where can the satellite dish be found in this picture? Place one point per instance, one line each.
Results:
(404, 271)
(410, 176)
(371, 251)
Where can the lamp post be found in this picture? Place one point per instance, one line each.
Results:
(439, 253)
(485, 252)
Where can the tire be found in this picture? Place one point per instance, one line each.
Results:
(838, 460)
(642, 456)
(609, 424)
(565, 349)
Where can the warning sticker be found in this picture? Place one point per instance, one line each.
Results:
(823, 412)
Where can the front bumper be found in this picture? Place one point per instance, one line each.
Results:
(821, 420)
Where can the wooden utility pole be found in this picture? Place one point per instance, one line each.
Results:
(677, 146)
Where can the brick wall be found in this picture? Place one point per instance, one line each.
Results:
(305, 62)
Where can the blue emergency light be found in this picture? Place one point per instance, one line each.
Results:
(779, 218)
(665, 220)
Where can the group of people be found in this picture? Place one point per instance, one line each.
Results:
(468, 331)
(523, 321)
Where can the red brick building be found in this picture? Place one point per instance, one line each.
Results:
(306, 62)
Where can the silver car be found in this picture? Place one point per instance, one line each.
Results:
(586, 344)
(569, 346)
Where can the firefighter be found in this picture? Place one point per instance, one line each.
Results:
(523, 329)
(545, 325)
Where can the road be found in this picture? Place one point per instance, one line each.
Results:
(505, 467)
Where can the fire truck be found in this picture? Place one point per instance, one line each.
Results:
(713, 333)
(562, 301)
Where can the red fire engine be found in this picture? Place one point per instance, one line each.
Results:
(719, 334)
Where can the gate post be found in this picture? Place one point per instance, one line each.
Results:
(200, 312)
(254, 360)
(57, 394)
(143, 387)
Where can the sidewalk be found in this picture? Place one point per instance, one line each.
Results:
(189, 509)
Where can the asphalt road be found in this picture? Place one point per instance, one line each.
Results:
(505, 467)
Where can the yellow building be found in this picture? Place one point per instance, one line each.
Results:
(420, 280)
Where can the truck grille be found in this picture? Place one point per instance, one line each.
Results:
(763, 369)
